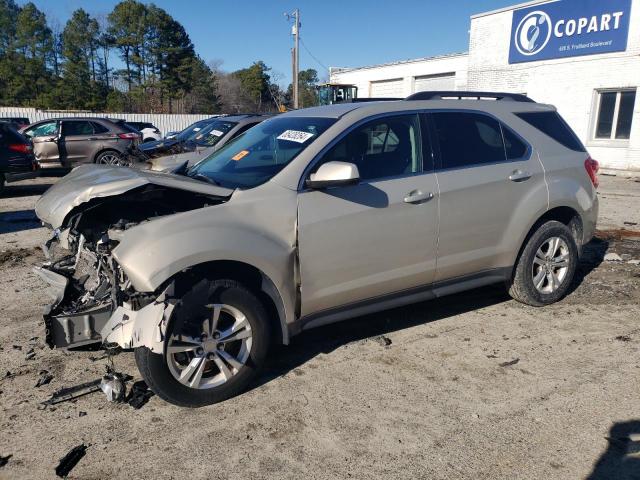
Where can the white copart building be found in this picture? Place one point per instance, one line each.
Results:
(576, 85)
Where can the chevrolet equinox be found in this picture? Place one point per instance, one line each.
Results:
(312, 217)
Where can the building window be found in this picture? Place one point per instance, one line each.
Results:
(615, 114)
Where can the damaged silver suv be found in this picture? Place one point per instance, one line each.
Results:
(312, 217)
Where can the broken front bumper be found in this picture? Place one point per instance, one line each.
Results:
(123, 327)
(73, 330)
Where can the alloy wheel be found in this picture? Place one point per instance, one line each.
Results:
(550, 265)
(218, 354)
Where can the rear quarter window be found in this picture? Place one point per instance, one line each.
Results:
(552, 125)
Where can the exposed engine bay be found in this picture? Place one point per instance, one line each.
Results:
(90, 290)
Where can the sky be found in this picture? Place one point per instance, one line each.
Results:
(338, 33)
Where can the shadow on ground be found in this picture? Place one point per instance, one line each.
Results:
(592, 256)
(325, 339)
(15, 190)
(18, 220)
(621, 460)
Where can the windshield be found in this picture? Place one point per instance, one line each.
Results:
(211, 134)
(261, 152)
(184, 135)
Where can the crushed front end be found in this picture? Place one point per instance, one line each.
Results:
(93, 300)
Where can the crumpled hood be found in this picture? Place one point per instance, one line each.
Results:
(94, 181)
(163, 164)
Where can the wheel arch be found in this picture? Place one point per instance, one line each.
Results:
(248, 275)
(564, 214)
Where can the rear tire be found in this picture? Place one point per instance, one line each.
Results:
(109, 157)
(219, 372)
(546, 267)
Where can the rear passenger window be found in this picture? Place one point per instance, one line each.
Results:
(468, 139)
(97, 128)
(514, 147)
(387, 147)
(551, 124)
(77, 128)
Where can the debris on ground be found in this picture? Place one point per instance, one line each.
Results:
(612, 257)
(107, 384)
(95, 359)
(4, 460)
(383, 340)
(70, 460)
(508, 364)
(631, 224)
(30, 355)
(623, 338)
(45, 378)
(139, 394)
(71, 393)
(17, 347)
(81, 413)
(113, 386)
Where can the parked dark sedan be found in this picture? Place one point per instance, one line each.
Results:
(16, 122)
(16, 156)
(175, 144)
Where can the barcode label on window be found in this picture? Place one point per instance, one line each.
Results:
(295, 136)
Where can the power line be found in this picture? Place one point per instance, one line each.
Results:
(312, 55)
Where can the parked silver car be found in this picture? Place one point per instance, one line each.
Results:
(67, 142)
(311, 217)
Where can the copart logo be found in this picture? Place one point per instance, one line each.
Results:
(533, 33)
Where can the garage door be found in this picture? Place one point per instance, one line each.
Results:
(441, 81)
(387, 88)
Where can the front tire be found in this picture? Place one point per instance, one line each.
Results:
(216, 343)
(546, 266)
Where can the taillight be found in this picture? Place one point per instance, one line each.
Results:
(592, 167)
(20, 147)
(128, 136)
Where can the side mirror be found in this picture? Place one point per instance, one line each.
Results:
(333, 174)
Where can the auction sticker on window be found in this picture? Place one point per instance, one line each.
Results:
(240, 155)
(217, 133)
(295, 136)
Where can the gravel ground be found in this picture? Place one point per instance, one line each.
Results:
(470, 386)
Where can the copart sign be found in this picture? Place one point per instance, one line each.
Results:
(568, 28)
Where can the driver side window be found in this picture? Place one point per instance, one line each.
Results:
(43, 130)
(386, 147)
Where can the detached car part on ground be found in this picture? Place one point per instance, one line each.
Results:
(312, 217)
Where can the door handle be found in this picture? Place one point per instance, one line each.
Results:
(92, 138)
(519, 176)
(416, 196)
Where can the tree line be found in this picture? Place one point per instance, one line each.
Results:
(72, 67)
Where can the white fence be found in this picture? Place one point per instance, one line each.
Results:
(164, 121)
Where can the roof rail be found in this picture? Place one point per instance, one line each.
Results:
(459, 95)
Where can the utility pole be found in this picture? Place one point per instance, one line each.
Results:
(295, 53)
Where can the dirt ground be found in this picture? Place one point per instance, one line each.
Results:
(471, 386)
